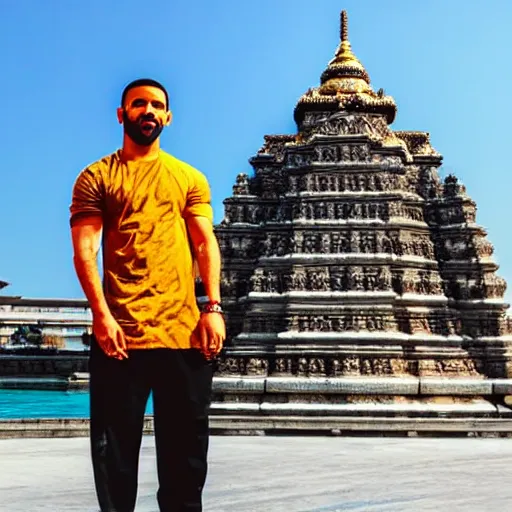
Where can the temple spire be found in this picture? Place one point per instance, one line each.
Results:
(345, 83)
(344, 53)
(344, 26)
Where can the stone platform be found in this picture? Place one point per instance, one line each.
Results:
(339, 406)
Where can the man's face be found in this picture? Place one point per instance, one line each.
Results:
(144, 114)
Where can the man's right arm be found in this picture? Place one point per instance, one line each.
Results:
(87, 210)
(86, 236)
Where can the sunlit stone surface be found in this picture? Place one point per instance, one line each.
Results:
(282, 474)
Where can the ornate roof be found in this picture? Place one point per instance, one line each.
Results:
(345, 85)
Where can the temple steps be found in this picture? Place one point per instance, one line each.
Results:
(362, 405)
(287, 425)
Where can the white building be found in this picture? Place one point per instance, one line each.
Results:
(66, 318)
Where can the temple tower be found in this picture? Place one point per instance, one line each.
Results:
(345, 254)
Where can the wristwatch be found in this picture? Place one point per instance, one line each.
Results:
(211, 307)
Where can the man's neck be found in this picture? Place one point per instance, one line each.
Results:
(131, 151)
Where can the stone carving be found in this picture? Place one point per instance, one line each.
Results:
(271, 182)
(257, 280)
(239, 213)
(254, 213)
(355, 279)
(334, 211)
(342, 153)
(358, 321)
(229, 366)
(483, 248)
(310, 367)
(384, 279)
(275, 145)
(469, 213)
(456, 366)
(364, 242)
(283, 365)
(418, 282)
(270, 282)
(241, 188)
(299, 280)
(318, 280)
(336, 279)
(457, 214)
(299, 159)
(414, 213)
(350, 365)
(318, 183)
(228, 285)
(342, 124)
(238, 247)
(467, 288)
(494, 287)
(456, 248)
(343, 365)
(414, 245)
(380, 366)
(429, 186)
(257, 366)
(452, 187)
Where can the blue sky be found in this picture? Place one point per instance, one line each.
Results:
(235, 70)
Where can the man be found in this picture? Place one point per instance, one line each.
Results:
(153, 214)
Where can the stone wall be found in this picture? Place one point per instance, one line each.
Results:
(62, 365)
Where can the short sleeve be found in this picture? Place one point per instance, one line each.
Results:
(198, 202)
(87, 198)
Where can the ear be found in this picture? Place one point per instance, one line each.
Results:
(168, 119)
(120, 112)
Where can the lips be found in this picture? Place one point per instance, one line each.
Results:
(148, 125)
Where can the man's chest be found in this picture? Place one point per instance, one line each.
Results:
(144, 195)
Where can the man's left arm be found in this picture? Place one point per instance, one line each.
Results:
(198, 216)
(206, 250)
(207, 254)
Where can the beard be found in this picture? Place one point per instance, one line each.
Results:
(142, 137)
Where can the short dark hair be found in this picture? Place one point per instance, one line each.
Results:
(141, 82)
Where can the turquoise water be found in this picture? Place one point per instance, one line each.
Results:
(18, 404)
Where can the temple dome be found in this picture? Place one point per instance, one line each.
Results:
(345, 85)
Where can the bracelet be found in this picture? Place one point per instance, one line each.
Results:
(211, 307)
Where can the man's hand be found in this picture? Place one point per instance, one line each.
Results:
(212, 333)
(110, 336)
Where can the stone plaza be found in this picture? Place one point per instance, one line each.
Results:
(281, 474)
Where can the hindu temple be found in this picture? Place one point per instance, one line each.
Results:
(345, 253)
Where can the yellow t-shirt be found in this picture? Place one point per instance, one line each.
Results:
(148, 269)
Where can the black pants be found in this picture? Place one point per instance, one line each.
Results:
(181, 382)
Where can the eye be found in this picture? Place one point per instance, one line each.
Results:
(138, 103)
(158, 105)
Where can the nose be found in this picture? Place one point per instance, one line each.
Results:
(149, 108)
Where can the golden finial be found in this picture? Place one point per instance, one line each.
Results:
(345, 85)
(344, 26)
(345, 72)
(344, 52)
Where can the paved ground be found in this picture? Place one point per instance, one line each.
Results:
(286, 474)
